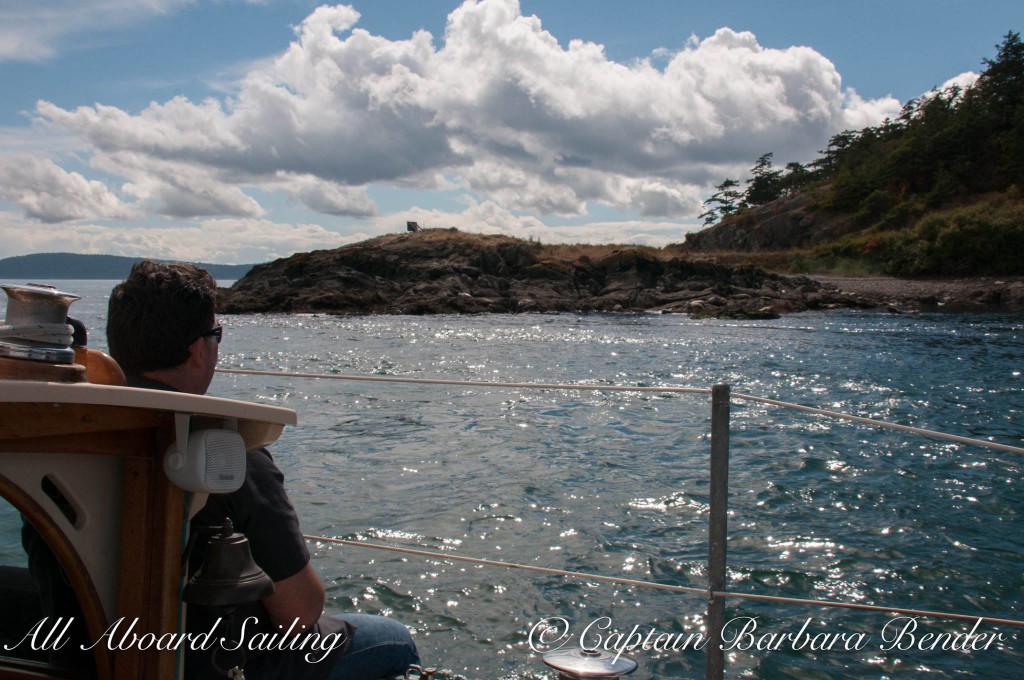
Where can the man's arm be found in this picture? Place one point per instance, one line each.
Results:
(297, 597)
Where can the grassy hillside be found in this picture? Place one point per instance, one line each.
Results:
(935, 192)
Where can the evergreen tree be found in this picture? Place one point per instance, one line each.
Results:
(836, 149)
(796, 177)
(1000, 95)
(726, 201)
(1001, 86)
(765, 184)
(948, 145)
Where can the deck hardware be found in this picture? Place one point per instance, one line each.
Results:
(576, 664)
(206, 460)
(228, 575)
(717, 528)
(36, 324)
(227, 578)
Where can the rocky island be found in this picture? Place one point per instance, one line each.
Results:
(899, 199)
(444, 271)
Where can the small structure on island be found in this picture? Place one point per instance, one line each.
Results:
(412, 226)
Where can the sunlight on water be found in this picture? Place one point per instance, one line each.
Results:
(817, 508)
(616, 483)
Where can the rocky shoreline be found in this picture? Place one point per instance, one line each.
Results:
(451, 272)
(969, 294)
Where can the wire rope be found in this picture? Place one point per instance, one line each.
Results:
(935, 434)
(636, 582)
(665, 586)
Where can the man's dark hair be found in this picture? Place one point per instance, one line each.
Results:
(156, 313)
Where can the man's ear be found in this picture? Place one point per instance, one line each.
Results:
(195, 353)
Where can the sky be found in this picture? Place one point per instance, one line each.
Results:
(241, 131)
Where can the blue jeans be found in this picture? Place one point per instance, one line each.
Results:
(381, 648)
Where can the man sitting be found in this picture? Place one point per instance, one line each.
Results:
(162, 330)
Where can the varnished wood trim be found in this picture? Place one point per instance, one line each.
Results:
(27, 420)
(151, 542)
(122, 443)
(25, 369)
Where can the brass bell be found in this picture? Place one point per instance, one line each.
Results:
(228, 575)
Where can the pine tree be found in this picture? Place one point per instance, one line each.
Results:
(726, 201)
(765, 184)
(1001, 85)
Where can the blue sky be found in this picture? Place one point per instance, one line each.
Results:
(245, 130)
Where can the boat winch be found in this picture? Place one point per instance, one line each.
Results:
(576, 664)
(36, 326)
(39, 341)
(35, 339)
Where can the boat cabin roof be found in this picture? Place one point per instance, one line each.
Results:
(83, 465)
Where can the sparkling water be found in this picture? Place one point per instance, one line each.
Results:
(616, 483)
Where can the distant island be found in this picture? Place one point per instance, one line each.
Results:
(445, 271)
(919, 213)
(925, 212)
(45, 266)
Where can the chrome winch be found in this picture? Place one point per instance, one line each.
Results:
(38, 341)
(36, 325)
(576, 664)
(571, 664)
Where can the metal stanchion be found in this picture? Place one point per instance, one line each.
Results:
(715, 667)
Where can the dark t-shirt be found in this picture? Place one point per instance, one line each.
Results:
(262, 511)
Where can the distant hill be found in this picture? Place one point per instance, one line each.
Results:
(937, 192)
(74, 266)
(444, 271)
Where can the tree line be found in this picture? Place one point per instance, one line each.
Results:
(942, 150)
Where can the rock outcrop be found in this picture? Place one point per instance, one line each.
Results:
(450, 272)
(979, 294)
(798, 221)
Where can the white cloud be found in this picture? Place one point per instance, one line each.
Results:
(487, 217)
(33, 140)
(178, 128)
(37, 29)
(50, 194)
(860, 113)
(963, 81)
(179, 189)
(168, 153)
(499, 107)
(327, 197)
(239, 241)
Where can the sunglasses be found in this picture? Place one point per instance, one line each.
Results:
(216, 332)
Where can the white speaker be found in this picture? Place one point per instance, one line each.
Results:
(213, 461)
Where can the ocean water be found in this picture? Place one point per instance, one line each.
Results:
(616, 483)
